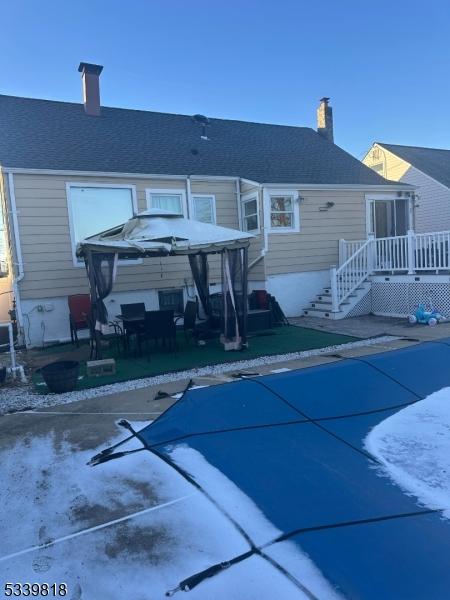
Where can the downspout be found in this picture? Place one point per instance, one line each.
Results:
(17, 250)
(188, 197)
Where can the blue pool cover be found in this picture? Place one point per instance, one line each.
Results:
(293, 443)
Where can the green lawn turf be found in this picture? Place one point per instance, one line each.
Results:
(281, 340)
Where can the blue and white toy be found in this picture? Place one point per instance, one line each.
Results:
(427, 315)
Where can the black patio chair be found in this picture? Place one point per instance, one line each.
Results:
(133, 317)
(116, 336)
(159, 326)
(197, 328)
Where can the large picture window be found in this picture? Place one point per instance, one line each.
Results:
(96, 208)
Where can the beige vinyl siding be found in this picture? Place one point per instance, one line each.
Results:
(315, 246)
(258, 271)
(46, 244)
(432, 210)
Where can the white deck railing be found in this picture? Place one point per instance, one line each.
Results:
(351, 274)
(400, 254)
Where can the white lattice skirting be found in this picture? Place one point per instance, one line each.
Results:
(400, 295)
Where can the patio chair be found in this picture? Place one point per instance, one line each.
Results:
(191, 325)
(117, 336)
(133, 316)
(159, 325)
(79, 309)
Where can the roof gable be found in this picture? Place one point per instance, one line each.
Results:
(44, 134)
(434, 162)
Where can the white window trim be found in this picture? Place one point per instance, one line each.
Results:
(170, 191)
(192, 206)
(296, 210)
(248, 197)
(88, 184)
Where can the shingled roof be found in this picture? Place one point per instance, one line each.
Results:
(434, 162)
(44, 134)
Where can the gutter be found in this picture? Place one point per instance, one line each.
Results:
(389, 187)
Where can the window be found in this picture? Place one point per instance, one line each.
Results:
(172, 200)
(250, 218)
(171, 300)
(378, 167)
(93, 209)
(389, 217)
(282, 212)
(204, 208)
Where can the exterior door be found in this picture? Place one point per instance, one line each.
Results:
(389, 218)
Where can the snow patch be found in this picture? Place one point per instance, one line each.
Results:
(413, 446)
(49, 492)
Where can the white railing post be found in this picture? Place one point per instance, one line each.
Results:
(334, 290)
(342, 253)
(411, 252)
(371, 254)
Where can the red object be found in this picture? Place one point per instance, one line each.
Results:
(79, 311)
(262, 299)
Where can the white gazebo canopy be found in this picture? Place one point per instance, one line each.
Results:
(159, 232)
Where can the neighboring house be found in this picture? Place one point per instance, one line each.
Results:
(71, 170)
(426, 168)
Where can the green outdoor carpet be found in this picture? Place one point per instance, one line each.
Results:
(281, 340)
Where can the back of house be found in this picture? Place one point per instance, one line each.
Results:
(71, 170)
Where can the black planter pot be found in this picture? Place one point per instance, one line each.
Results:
(2, 375)
(61, 376)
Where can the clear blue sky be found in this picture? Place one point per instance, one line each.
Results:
(385, 64)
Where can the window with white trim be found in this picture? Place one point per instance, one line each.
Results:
(93, 209)
(204, 208)
(171, 200)
(250, 217)
(282, 212)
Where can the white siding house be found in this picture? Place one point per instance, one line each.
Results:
(68, 171)
(426, 168)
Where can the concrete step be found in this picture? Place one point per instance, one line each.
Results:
(324, 303)
(317, 312)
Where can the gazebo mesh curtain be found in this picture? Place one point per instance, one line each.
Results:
(101, 269)
(199, 269)
(234, 293)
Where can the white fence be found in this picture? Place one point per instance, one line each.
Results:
(409, 253)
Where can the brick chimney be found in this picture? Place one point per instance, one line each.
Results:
(90, 75)
(325, 120)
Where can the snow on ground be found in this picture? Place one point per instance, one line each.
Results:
(49, 492)
(413, 446)
(24, 397)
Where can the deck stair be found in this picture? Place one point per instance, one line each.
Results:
(322, 305)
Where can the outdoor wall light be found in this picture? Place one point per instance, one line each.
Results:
(327, 206)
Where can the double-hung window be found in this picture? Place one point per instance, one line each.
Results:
(282, 216)
(95, 208)
(171, 200)
(250, 217)
(204, 208)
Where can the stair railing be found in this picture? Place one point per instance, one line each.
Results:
(351, 274)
